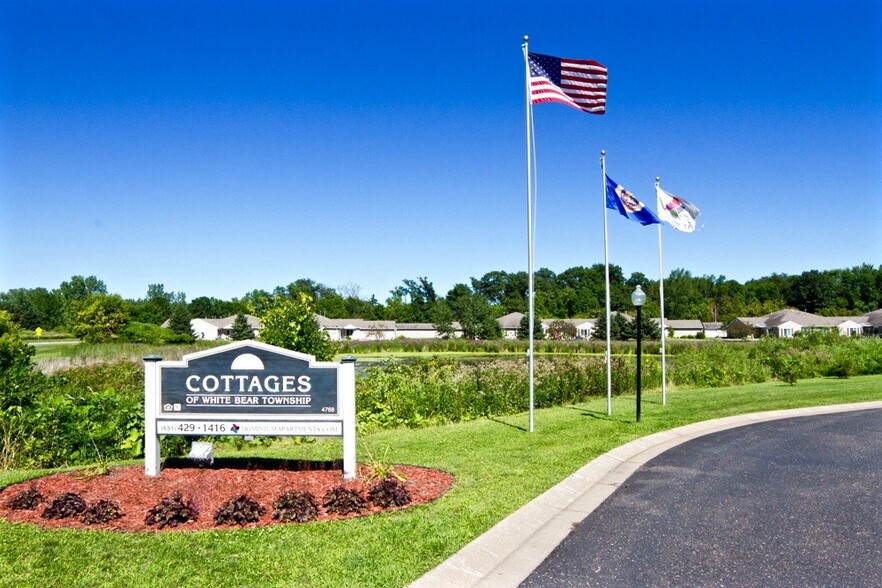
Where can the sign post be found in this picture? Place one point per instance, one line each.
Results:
(248, 388)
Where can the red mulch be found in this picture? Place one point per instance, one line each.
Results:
(208, 488)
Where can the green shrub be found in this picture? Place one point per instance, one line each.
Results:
(437, 391)
(79, 416)
(136, 332)
(19, 380)
(74, 423)
(715, 364)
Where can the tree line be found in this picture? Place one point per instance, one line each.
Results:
(83, 305)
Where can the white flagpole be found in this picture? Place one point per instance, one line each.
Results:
(529, 224)
(606, 265)
(661, 296)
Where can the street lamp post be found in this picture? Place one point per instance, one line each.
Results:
(638, 299)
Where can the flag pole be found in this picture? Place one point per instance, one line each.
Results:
(606, 267)
(661, 296)
(529, 224)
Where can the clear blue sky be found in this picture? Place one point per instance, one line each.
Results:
(218, 147)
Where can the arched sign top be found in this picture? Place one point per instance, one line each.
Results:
(247, 361)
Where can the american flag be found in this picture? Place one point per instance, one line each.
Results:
(580, 83)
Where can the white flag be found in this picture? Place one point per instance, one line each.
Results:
(675, 211)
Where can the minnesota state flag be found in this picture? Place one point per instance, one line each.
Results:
(617, 198)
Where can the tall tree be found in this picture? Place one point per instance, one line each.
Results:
(32, 308)
(156, 308)
(241, 329)
(100, 318)
(412, 302)
(442, 319)
(524, 328)
(75, 291)
(473, 313)
(179, 321)
(811, 291)
(291, 323)
(621, 328)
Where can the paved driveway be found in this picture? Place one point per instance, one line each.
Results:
(793, 502)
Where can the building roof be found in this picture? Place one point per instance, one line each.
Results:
(684, 324)
(576, 322)
(874, 318)
(354, 323)
(227, 322)
(224, 323)
(804, 319)
(511, 320)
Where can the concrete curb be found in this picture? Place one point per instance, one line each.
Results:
(507, 553)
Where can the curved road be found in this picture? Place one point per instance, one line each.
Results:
(793, 502)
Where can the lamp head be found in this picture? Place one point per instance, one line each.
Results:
(638, 297)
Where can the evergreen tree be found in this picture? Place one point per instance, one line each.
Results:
(624, 327)
(241, 329)
(179, 321)
(524, 329)
(620, 328)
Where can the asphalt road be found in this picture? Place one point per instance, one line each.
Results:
(794, 502)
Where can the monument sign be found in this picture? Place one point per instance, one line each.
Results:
(248, 388)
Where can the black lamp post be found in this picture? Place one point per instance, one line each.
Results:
(638, 299)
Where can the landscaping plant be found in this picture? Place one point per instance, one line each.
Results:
(239, 511)
(343, 501)
(298, 507)
(26, 499)
(102, 511)
(171, 511)
(388, 493)
(67, 505)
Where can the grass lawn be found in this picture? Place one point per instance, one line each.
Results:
(498, 468)
(49, 349)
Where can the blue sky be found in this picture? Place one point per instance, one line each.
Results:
(218, 147)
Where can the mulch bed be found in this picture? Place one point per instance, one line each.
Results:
(208, 488)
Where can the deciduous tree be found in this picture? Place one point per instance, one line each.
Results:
(291, 323)
(100, 317)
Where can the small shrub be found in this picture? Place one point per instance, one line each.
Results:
(238, 511)
(26, 499)
(298, 507)
(102, 511)
(343, 501)
(67, 505)
(389, 492)
(171, 511)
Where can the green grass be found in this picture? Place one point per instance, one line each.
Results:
(497, 464)
(50, 349)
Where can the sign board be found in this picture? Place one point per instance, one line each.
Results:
(248, 388)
